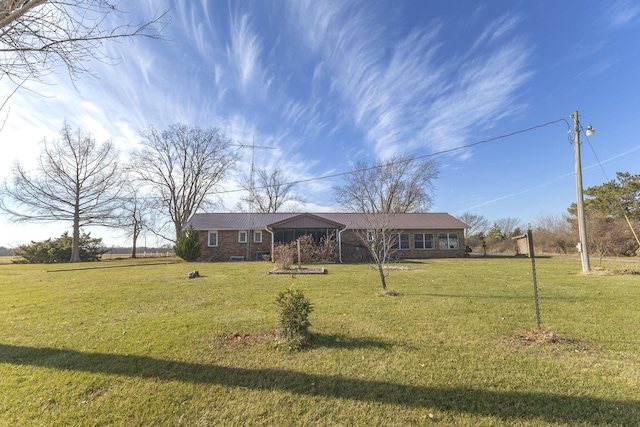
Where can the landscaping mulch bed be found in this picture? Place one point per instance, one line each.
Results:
(302, 270)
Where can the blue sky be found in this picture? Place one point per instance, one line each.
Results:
(327, 83)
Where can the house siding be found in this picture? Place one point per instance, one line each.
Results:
(352, 248)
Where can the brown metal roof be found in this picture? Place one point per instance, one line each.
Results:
(261, 221)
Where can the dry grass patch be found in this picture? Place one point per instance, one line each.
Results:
(390, 293)
(248, 339)
(299, 270)
(546, 338)
(604, 271)
(394, 268)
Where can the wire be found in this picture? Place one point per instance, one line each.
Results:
(607, 178)
(439, 153)
(595, 155)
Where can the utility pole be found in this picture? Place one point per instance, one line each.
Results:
(583, 247)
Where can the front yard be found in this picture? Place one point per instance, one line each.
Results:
(144, 345)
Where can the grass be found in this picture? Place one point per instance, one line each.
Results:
(143, 345)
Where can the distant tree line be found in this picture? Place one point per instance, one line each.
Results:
(612, 212)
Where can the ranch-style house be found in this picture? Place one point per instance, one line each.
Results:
(250, 236)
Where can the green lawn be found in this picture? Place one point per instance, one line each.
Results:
(142, 345)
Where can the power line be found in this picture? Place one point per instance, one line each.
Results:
(596, 156)
(425, 156)
(439, 153)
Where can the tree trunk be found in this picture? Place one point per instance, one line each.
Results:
(75, 241)
(382, 278)
(134, 241)
(178, 226)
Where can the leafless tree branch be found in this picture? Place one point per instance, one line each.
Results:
(182, 168)
(269, 192)
(36, 35)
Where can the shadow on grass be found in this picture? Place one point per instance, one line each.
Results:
(475, 297)
(345, 342)
(513, 297)
(549, 407)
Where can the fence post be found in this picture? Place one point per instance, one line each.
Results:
(533, 269)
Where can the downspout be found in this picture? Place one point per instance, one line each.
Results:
(340, 244)
(272, 243)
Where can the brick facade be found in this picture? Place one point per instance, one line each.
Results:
(352, 249)
(228, 246)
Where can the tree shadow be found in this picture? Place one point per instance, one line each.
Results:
(505, 405)
(474, 297)
(346, 342)
(514, 297)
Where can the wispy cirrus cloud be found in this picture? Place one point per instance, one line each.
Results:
(498, 29)
(316, 21)
(620, 13)
(244, 52)
(484, 92)
(413, 94)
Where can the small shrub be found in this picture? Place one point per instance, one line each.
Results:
(58, 250)
(307, 249)
(284, 256)
(293, 318)
(327, 250)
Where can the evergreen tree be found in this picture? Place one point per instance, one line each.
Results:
(495, 234)
(188, 245)
(616, 198)
(58, 250)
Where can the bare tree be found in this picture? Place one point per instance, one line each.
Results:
(509, 226)
(380, 191)
(182, 168)
(36, 35)
(610, 236)
(135, 211)
(75, 180)
(380, 239)
(478, 224)
(269, 192)
(400, 185)
(554, 234)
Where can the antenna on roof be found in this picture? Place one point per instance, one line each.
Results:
(252, 187)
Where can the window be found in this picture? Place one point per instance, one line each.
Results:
(448, 241)
(287, 235)
(242, 237)
(424, 241)
(213, 238)
(400, 241)
(371, 235)
(257, 236)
